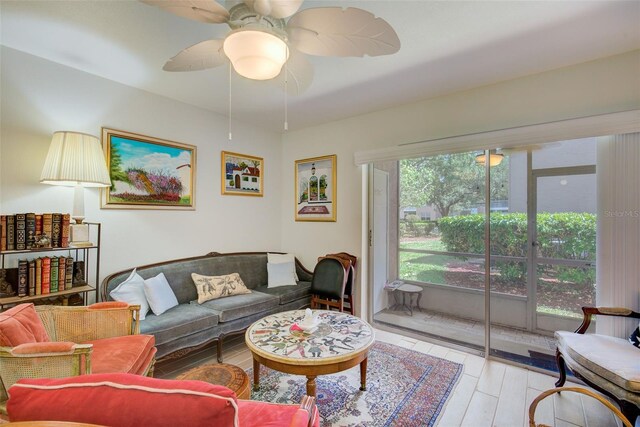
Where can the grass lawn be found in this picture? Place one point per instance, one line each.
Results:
(423, 267)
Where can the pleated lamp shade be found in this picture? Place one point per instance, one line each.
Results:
(75, 159)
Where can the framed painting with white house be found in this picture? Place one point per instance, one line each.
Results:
(242, 175)
(316, 189)
(148, 172)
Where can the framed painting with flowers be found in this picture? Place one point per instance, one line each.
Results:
(148, 172)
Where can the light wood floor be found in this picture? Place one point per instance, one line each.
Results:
(490, 393)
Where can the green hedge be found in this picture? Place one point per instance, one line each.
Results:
(560, 235)
(412, 227)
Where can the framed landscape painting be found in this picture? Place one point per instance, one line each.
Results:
(315, 191)
(242, 175)
(148, 172)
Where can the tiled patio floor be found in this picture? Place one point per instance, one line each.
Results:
(470, 332)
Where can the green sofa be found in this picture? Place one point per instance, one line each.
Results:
(191, 325)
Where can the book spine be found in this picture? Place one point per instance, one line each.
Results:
(56, 235)
(68, 274)
(53, 277)
(38, 224)
(11, 232)
(47, 221)
(38, 276)
(23, 271)
(61, 273)
(31, 230)
(21, 232)
(46, 274)
(65, 230)
(3, 231)
(32, 278)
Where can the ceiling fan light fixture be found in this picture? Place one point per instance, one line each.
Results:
(256, 53)
(494, 158)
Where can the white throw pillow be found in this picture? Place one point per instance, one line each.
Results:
(131, 291)
(159, 294)
(279, 274)
(280, 258)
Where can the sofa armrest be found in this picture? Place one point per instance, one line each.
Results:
(41, 360)
(588, 312)
(306, 414)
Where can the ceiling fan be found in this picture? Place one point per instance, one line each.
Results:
(266, 34)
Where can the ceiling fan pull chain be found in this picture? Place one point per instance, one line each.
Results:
(286, 109)
(230, 134)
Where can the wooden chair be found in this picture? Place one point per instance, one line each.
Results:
(608, 364)
(328, 284)
(82, 340)
(351, 276)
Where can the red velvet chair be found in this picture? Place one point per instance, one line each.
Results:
(57, 341)
(125, 400)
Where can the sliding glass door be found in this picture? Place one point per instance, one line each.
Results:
(429, 236)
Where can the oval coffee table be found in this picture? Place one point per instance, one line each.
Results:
(340, 341)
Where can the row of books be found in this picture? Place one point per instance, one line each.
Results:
(44, 275)
(29, 231)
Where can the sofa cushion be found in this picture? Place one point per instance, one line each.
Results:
(126, 354)
(609, 357)
(264, 414)
(21, 325)
(288, 293)
(180, 321)
(123, 400)
(238, 306)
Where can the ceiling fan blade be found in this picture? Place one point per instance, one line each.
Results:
(299, 72)
(208, 11)
(200, 56)
(333, 31)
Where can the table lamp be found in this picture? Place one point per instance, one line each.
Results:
(76, 159)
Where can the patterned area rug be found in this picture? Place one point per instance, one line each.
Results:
(404, 388)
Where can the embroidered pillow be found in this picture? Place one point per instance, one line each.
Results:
(213, 287)
(634, 338)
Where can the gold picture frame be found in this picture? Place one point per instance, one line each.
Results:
(241, 174)
(316, 193)
(148, 172)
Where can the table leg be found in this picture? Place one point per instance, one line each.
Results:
(311, 385)
(418, 301)
(363, 375)
(256, 375)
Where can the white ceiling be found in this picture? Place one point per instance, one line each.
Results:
(447, 46)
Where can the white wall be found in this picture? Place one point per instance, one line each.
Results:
(40, 97)
(597, 87)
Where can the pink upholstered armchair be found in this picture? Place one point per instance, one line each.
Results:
(57, 341)
(125, 400)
